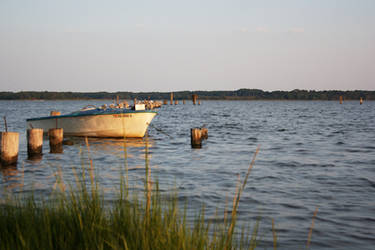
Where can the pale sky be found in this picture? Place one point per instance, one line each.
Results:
(171, 45)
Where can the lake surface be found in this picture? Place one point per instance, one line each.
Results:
(312, 154)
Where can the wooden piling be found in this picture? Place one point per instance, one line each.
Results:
(199, 102)
(171, 101)
(55, 113)
(56, 136)
(165, 102)
(360, 101)
(183, 102)
(341, 99)
(196, 137)
(9, 144)
(34, 142)
(175, 102)
(194, 97)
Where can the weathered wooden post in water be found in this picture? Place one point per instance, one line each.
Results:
(341, 99)
(175, 102)
(34, 142)
(360, 101)
(9, 144)
(183, 102)
(194, 97)
(196, 137)
(56, 136)
(165, 102)
(171, 99)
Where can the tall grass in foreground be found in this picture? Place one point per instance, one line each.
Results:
(79, 219)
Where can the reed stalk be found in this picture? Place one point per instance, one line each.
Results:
(311, 228)
(236, 201)
(125, 149)
(147, 181)
(274, 235)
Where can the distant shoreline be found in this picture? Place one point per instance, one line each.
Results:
(241, 94)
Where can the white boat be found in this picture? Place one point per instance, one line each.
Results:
(98, 122)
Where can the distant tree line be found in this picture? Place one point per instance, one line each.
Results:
(241, 94)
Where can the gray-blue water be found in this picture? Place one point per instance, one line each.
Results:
(312, 154)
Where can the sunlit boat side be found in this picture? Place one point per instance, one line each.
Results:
(116, 122)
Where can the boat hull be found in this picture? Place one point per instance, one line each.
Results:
(129, 124)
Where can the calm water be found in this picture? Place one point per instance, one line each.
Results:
(312, 154)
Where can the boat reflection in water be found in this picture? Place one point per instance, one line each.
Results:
(115, 147)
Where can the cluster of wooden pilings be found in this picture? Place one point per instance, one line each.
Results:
(341, 99)
(172, 101)
(9, 144)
